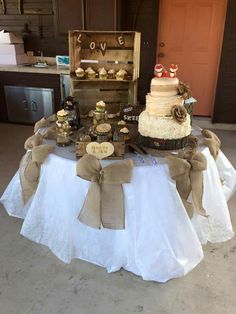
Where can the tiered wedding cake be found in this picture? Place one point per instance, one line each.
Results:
(165, 124)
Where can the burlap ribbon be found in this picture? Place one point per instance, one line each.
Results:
(163, 88)
(48, 123)
(104, 203)
(30, 164)
(212, 141)
(186, 169)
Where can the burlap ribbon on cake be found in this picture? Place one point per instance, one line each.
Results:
(104, 203)
(164, 88)
(212, 141)
(186, 169)
(30, 164)
(50, 127)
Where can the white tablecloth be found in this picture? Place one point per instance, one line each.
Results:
(159, 242)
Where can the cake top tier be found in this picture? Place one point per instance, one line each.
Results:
(161, 72)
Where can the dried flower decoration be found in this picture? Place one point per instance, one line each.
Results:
(179, 113)
(184, 90)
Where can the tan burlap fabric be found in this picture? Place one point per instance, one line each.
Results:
(186, 169)
(30, 164)
(50, 132)
(104, 203)
(45, 122)
(212, 141)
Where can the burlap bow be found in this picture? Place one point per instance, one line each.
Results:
(104, 203)
(30, 164)
(212, 141)
(186, 169)
(46, 123)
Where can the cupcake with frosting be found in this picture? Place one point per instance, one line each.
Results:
(79, 72)
(120, 125)
(91, 74)
(111, 74)
(120, 75)
(103, 74)
(100, 106)
(125, 133)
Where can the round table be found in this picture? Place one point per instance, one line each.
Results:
(159, 241)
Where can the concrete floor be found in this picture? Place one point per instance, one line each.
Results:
(34, 281)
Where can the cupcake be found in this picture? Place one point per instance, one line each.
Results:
(120, 75)
(125, 132)
(79, 72)
(100, 106)
(121, 123)
(88, 69)
(91, 74)
(111, 74)
(103, 74)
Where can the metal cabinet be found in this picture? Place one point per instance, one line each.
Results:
(28, 104)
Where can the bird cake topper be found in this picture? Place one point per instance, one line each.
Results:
(160, 71)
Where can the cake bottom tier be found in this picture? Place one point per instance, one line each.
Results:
(163, 144)
(162, 127)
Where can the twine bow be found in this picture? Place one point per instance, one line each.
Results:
(186, 169)
(212, 141)
(104, 203)
(30, 164)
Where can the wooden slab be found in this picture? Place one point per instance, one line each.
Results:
(119, 149)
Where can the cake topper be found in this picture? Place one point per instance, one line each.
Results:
(160, 71)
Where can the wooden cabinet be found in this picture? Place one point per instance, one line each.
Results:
(102, 15)
(69, 15)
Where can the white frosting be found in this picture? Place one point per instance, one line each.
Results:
(162, 127)
(88, 69)
(161, 106)
(124, 130)
(100, 104)
(111, 71)
(62, 113)
(79, 70)
(158, 86)
(103, 71)
(121, 122)
(121, 72)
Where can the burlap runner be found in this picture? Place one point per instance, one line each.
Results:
(104, 203)
(30, 164)
(45, 122)
(186, 169)
(212, 141)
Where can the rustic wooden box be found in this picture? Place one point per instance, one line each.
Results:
(119, 150)
(115, 56)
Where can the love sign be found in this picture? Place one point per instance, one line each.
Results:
(103, 47)
(100, 150)
(120, 39)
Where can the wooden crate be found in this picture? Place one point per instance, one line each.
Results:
(88, 93)
(127, 57)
